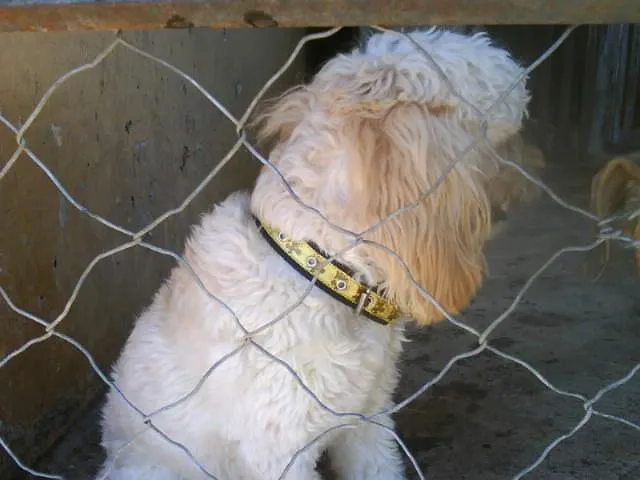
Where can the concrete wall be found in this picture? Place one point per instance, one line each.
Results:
(129, 139)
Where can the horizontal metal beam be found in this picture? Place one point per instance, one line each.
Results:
(69, 15)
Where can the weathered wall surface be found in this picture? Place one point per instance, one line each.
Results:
(129, 139)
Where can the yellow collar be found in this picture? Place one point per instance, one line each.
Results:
(332, 278)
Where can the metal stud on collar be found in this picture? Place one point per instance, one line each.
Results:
(363, 300)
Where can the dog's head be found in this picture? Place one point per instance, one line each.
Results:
(509, 186)
(377, 129)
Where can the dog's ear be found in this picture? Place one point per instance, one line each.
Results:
(611, 185)
(278, 118)
(393, 161)
(611, 190)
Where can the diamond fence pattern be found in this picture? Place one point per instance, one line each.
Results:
(350, 419)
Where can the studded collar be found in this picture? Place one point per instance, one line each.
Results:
(332, 277)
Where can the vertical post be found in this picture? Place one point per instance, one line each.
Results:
(618, 43)
(542, 86)
(567, 87)
(596, 95)
(631, 94)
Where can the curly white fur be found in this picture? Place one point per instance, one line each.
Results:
(374, 129)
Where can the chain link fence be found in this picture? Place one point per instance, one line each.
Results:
(136, 239)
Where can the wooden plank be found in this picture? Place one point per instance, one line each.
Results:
(589, 133)
(50, 15)
(619, 42)
(567, 84)
(632, 96)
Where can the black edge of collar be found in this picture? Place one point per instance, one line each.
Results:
(309, 277)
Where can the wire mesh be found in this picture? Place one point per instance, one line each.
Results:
(349, 419)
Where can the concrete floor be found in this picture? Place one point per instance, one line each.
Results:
(488, 418)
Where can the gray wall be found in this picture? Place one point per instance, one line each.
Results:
(129, 139)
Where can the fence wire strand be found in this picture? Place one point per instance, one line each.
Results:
(352, 419)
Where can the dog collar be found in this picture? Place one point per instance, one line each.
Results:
(333, 278)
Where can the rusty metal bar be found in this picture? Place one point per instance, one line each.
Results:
(69, 15)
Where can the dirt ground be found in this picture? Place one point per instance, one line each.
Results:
(488, 418)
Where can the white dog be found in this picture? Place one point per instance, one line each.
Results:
(375, 129)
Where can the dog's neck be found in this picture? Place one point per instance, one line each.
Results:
(272, 203)
(331, 276)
